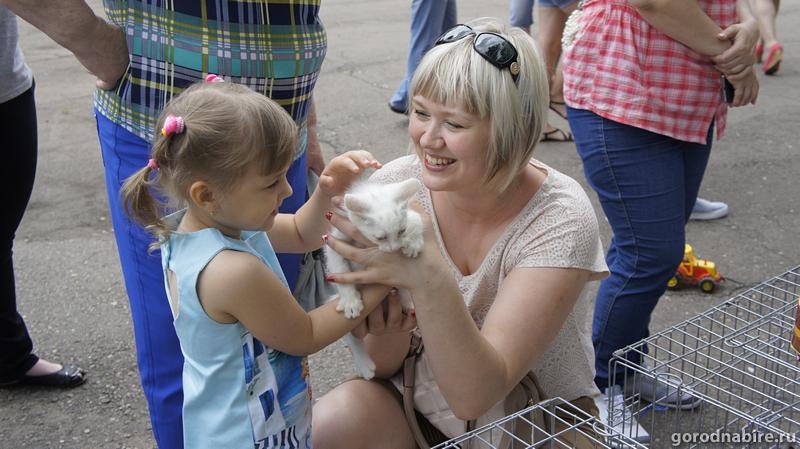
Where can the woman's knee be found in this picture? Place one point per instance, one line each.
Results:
(360, 414)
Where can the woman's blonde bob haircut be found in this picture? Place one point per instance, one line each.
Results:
(455, 75)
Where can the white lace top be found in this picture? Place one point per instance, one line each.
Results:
(557, 228)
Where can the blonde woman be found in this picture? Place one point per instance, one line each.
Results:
(499, 288)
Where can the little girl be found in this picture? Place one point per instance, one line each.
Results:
(223, 155)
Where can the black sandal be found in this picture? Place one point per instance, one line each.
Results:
(559, 103)
(564, 136)
(68, 376)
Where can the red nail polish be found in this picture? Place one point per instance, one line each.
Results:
(330, 278)
(328, 215)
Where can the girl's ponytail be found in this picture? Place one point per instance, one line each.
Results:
(141, 205)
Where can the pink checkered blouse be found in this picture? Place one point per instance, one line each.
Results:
(623, 69)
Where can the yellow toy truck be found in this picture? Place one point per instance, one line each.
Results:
(694, 271)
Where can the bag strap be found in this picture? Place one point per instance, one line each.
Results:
(409, 372)
(525, 394)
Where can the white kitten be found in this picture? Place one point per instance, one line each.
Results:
(381, 213)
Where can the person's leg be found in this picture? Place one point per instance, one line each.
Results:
(552, 17)
(427, 17)
(765, 12)
(646, 193)
(17, 172)
(521, 14)
(158, 352)
(551, 28)
(360, 414)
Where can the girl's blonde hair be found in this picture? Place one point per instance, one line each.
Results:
(454, 74)
(228, 129)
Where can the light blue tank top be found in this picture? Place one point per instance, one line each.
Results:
(237, 392)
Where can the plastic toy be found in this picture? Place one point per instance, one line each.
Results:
(694, 271)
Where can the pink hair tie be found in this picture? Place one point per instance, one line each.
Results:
(173, 125)
(214, 79)
(152, 164)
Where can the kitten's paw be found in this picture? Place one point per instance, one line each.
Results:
(351, 307)
(364, 367)
(411, 248)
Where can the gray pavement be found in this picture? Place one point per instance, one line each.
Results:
(69, 282)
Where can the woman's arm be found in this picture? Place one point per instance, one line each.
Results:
(98, 45)
(514, 334)
(528, 312)
(684, 21)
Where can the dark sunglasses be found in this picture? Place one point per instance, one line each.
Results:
(492, 47)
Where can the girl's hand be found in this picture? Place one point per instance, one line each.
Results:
(343, 170)
(389, 318)
(392, 269)
(734, 61)
(746, 88)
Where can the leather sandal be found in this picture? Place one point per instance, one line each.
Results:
(559, 113)
(557, 135)
(68, 376)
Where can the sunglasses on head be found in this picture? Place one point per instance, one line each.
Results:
(491, 46)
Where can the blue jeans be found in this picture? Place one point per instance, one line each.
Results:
(647, 184)
(158, 352)
(429, 20)
(522, 10)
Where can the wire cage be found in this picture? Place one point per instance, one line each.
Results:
(734, 363)
(554, 423)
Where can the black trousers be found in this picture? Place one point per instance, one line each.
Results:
(18, 152)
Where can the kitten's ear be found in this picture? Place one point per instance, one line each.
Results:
(408, 188)
(355, 204)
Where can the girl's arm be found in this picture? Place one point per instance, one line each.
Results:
(302, 231)
(236, 286)
(684, 21)
(462, 357)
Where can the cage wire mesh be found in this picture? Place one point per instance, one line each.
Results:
(554, 423)
(736, 359)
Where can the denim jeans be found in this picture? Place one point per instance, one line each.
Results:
(429, 20)
(157, 349)
(647, 184)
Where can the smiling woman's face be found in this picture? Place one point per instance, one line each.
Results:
(451, 144)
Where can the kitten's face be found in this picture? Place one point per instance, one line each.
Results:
(382, 224)
(381, 213)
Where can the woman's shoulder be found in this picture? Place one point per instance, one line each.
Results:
(559, 229)
(399, 169)
(561, 193)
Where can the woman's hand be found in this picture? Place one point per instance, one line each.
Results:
(746, 88)
(389, 318)
(735, 61)
(392, 269)
(343, 170)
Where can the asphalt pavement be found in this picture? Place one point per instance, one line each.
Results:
(69, 282)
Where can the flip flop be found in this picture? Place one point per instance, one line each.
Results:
(773, 61)
(67, 377)
(759, 52)
(563, 136)
(559, 103)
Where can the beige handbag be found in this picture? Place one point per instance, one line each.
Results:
(525, 394)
